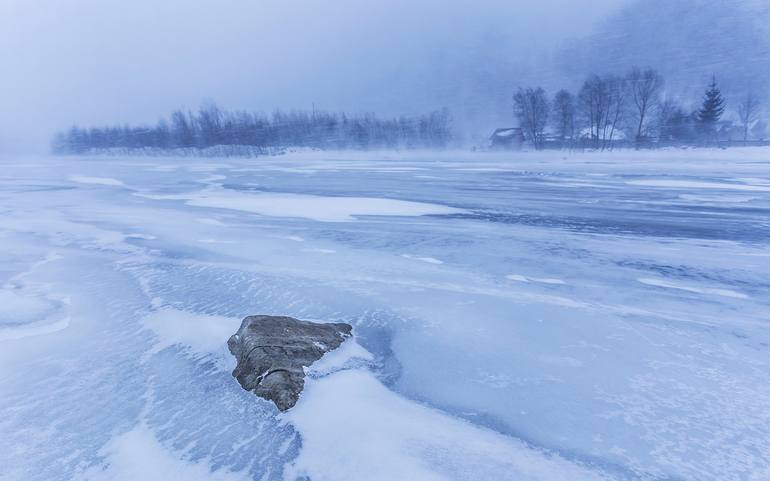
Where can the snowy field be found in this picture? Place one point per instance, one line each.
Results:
(517, 317)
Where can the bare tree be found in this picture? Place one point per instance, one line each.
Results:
(564, 112)
(209, 119)
(748, 111)
(603, 103)
(531, 108)
(593, 105)
(645, 87)
(617, 107)
(674, 123)
(182, 129)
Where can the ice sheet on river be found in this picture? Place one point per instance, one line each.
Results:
(518, 316)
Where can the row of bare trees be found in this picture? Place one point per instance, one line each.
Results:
(212, 127)
(631, 109)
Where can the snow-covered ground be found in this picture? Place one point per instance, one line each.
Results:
(523, 317)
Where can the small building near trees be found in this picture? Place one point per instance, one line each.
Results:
(507, 139)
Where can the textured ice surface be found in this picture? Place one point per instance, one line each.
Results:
(314, 207)
(84, 179)
(518, 316)
(368, 432)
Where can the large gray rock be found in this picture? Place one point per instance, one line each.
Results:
(272, 350)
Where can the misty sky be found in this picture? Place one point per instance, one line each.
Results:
(93, 62)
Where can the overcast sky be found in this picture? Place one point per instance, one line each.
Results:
(108, 61)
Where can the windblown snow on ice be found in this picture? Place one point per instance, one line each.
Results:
(530, 316)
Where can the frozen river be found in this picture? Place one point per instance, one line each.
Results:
(524, 317)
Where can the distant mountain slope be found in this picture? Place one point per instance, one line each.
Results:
(687, 40)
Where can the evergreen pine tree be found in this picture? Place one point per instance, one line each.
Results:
(712, 109)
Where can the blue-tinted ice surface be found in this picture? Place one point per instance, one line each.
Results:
(610, 310)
